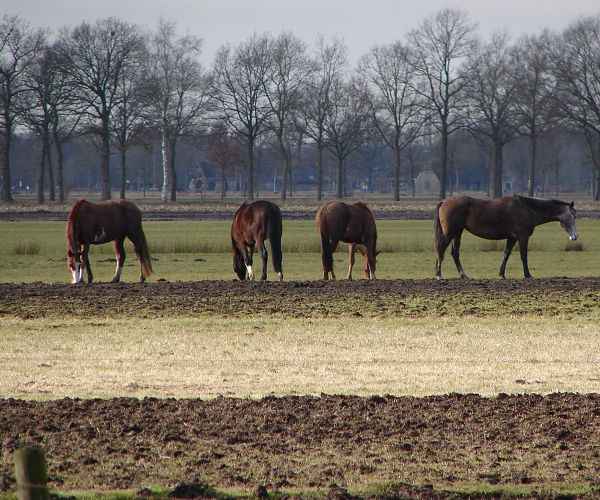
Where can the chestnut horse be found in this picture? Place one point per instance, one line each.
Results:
(353, 224)
(253, 223)
(96, 223)
(512, 218)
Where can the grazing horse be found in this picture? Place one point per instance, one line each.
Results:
(512, 218)
(253, 223)
(353, 224)
(96, 223)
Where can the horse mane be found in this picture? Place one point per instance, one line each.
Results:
(541, 204)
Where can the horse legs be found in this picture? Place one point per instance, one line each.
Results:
(523, 242)
(510, 243)
(351, 260)
(327, 248)
(249, 250)
(85, 262)
(265, 258)
(456, 254)
(120, 251)
(441, 246)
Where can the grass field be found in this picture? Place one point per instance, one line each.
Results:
(198, 250)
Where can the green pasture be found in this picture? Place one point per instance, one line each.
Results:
(200, 250)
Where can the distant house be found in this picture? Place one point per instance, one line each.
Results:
(427, 182)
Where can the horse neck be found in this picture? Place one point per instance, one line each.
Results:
(542, 217)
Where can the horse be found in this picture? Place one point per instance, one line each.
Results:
(97, 223)
(353, 224)
(513, 218)
(253, 223)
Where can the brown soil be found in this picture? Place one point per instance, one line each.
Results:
(333, 442)
(301, 299)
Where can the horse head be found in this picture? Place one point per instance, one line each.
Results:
(567, 221)
(369, 268)
(239, 266)
(75, 266)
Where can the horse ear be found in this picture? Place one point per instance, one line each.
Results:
(70, 254)
(572, 204)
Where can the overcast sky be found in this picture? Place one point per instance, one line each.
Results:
(361, 23)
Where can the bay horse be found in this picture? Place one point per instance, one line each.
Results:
(512, 218)
(97, 223)
(353, 224)
(253, 223)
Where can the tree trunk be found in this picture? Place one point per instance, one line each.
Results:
(397, 173)
(165, 168)
(319, 171)
(496, 174)
(340, 178)
(172, 172)
(40, 174)
(444, 159)
(6, 182)
(532, 161)
(223, 183)
(123, 172)
(250, 183)
(59, 165)
(105, 160)
(597, 190)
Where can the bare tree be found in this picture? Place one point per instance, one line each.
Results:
(223, 151)
(395, 105)
(38, 115)
(239, 93)
(491, 91)
(330, 63)
(534, 94)
(179, 94)
(19, 47)
(95, 57)
(345, 124)
(574, 64)
(290, 69)
(440, 45)
(128, 112)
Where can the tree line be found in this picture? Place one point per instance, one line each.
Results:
(121, 87)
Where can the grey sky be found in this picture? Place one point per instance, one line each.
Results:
(361, 23)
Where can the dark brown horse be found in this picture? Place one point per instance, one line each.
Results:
(353, 224)
(96, 223)
(512, 218)
(253, 223)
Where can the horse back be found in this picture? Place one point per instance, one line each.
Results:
(497, 218)
(108, 220)
(256, 220)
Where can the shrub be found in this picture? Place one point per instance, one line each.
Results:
(31, 248)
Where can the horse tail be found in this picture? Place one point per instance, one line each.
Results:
(440, 245)
(144, 255)
(133, 221)
(72, 229)
(274, 232)
(326, 251)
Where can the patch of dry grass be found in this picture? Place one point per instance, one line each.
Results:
(253, 357)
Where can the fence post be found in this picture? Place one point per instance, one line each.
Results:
(30, 471)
